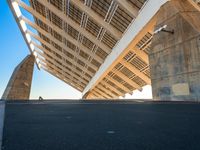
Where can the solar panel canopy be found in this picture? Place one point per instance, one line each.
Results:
(75, 39)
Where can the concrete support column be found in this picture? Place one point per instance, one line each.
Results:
(19, 85)
(175, 56)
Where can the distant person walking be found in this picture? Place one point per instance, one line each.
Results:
(40, 98)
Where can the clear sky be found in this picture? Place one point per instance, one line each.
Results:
(14, 49)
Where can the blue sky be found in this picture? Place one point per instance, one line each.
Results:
(14, 49)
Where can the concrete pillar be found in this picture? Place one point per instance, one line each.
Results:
(175, 57)
(19, 85)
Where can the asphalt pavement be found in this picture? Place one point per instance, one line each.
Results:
(101, 125)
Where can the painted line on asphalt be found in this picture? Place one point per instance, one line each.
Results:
(111, 132)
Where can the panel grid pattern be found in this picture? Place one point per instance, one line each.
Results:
(75, 44)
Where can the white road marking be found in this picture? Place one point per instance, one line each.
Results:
(111, 132)
(68, 117)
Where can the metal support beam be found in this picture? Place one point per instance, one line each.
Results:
(97, 18)
(107, 91)
(62, 45)
(118, 84)
(71, 74)
(68, 82)
(58, 30)
(99, 96)
(132, 10)
(136, 71)
(52, 55)
(141, 54)
(52, 48)
(112, 88)
(128, 80)
(75, 25)
(103, 94)
(136, 31)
